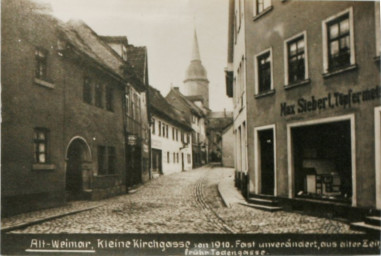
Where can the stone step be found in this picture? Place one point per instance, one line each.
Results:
(362, 226)
(263, 207)
(373, 220)
(269, 202)
(263, 196)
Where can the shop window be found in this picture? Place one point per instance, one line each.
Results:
(41, 56)
(296, 59)
(109, 98)
(98, 95)
(87, 95)
(322, 161)
(338, 42)
(263, 73)
(40, 145)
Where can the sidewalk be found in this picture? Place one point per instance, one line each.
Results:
(229, 193)
(35, 217)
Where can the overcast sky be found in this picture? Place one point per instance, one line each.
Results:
(166, 28)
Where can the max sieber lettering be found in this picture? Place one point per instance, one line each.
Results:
(332, 100)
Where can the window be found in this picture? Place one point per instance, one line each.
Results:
(111, 160)
(378, 32)
(41, 63)
(174, 157)
(177, 135)
(40, 145)
(263, 74)
(168, 157)
(106, 160)
(98, 95)
(109, 98)
(87, 97)
(153, 125)
(261, 6)
(102, 169)
(296, 59)
(166, 130)
(189, 158)
(338, 41)
(173, 133)
(159, 128)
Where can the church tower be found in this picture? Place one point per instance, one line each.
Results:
(196, 83)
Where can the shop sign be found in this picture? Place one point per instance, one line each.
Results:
(132, 140)
(331, 101)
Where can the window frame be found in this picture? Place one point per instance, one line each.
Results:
(153, 126)
(256, 13)
(98, 95)
(102, 160)
(289, 40)
(326, 55)
(87, 94)
(256, 72)
(36, 144)
(41, 60)
(109, 91)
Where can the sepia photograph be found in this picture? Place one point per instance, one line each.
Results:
(190, 127)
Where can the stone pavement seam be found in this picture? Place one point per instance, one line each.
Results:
(43, 219)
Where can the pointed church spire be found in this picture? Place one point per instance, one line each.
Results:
(195, 50)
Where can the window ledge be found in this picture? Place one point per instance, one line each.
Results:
(297, 84)
(38, 167)
(44, 83)
(339, 71)
(264, 94)
(259, 15)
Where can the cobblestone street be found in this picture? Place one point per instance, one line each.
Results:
(186, 202)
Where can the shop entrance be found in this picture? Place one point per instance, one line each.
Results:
(78, 170)
(266, 161)
(322, 161)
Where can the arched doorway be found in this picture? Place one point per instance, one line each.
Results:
(78, 170)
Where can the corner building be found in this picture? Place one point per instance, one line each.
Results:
(312, 90)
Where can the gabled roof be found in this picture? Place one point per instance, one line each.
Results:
(160, 106)
(174, 92)
(219, 123)
(115, 39)
(137, 58)
(84, 39)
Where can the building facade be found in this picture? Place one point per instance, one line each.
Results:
(197, 118)
(171, 137)
(64, 139)
(312, 92)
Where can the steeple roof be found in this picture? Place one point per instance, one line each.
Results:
(196, 70)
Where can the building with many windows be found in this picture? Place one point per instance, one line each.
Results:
(64, 139)
(171, 136)
(305, 81)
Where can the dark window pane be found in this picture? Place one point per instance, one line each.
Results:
(264, 72)
(98, 95)
(87, 91)
(109, 98)
(296, 61)
(101, 160)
